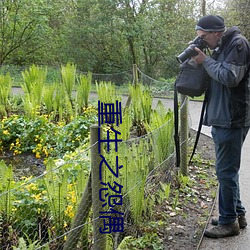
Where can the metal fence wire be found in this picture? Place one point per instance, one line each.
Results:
(73, 203)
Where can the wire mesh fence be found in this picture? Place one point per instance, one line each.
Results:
(73, 206)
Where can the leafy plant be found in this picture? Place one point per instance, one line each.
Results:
(161, 128)
(106, 92)
(68, 74)
(141, 103)
(34, 81)
(5, 90)
(22, 245)
(48, 98)
(147, 241)
(56, 187)
(83, 91)
(164, 191)
(6, 184)
(30, 208)
(133, 175)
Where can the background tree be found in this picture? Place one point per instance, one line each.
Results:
(237, 13)
(21, 25)
(103, 36)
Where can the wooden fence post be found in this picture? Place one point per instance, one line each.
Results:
(184, 135)
(80, 218)
(135, 74)
(99, 238)
(135, 82)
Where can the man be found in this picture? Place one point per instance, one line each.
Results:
(228, 112)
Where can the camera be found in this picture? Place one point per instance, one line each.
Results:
(190, 51)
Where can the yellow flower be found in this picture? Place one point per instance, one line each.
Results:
(6, 132)
(31, 187)
(37, 196)
(69, 211)
(38, 156)
(45, 151)
(73, 199)
(14, 209)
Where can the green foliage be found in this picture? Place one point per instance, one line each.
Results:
(103, 36)
(161, 127)
(83, 91)
(30, 206)
(6, 184)
(164, 191)
(125, 126)
(33, 85)
(43, 137)
(147, 241)
(57, 188)
(135, 159)
(106, 92)
(23, 25)
(5, 91)
(29, 245)
(141, 103)
(48, 98)
(68, 74)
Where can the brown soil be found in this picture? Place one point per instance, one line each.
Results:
(186, 224)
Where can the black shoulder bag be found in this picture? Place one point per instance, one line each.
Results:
(192, 79)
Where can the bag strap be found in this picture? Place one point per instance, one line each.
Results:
(199, 127)
(176, 126)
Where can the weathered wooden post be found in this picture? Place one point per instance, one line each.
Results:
(135, 82)
(184, 135)
(80, 218)
(99, 238)
(135, 74)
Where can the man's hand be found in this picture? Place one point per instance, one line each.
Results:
(200, 58)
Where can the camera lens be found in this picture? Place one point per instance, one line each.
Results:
(187, 53)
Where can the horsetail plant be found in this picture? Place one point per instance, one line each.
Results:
(141, 103)
(5, 89)
(56, 184)
(161, 126)
(6, 184)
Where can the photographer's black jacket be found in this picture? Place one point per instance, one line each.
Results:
(229, 90)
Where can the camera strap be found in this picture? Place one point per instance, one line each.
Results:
(199, 127)
(176, 126)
